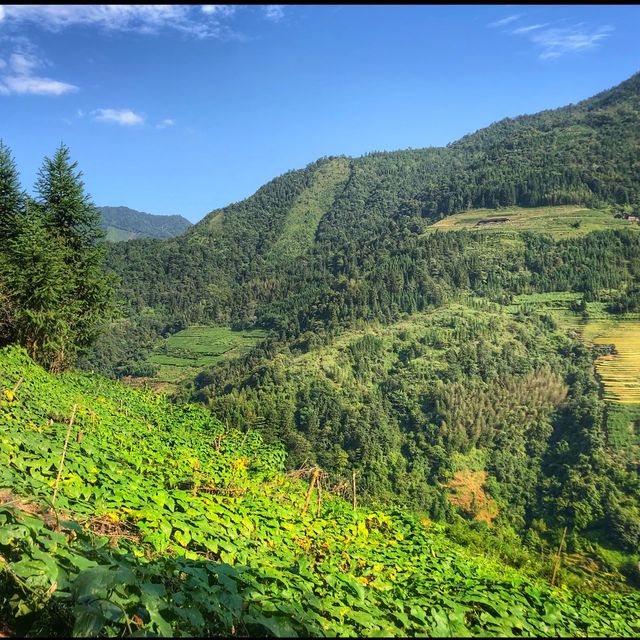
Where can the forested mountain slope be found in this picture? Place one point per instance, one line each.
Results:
(238, 259)
(391, 350)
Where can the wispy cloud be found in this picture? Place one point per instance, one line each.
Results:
(528, 29)
(505, 21)
(167, 122)
(17, 77)
(556, 42)
(124, 117)
(197, 20)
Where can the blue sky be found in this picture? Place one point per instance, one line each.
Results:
(187, 108)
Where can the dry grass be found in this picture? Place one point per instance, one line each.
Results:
(620, 372)
(468, 495)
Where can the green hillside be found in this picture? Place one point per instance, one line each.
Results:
(167, 523)
(187, 352)
(304, 235)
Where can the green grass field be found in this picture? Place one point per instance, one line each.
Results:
(559, 222)
(304, 216)
(186, 352)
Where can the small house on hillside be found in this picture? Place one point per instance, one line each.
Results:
(487, 221)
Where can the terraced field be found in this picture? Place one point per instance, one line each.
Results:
(560, 222)
(186, 352)
(620, 372)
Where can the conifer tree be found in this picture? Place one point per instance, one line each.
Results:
(41, 282)
(11, 197)
(68, 210)
(70, 217)
(51, 275)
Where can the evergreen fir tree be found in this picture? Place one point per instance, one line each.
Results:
(71, 217)
(51, 275)
(68, 210)
(12, 199)
(41, 283)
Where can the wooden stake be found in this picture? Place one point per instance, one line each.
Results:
(353, 488)
(319, 498)
(64, 453)
(18, 385)
(314, 477)
(556, 564)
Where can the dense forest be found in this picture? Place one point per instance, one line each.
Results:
(332, 228)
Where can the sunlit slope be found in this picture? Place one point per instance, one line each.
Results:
(301, 222)
(185, 353)
(559, 222)
(620, 371)
(167, 523)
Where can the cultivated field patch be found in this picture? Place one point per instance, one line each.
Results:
(186, 352)
(560, 222)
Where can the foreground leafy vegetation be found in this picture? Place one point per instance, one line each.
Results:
(136, 545)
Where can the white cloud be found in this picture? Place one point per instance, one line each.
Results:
(505, 21)
(36, 86)
(200, 21)
(167, 122)
(556, 42)
(24, 64)
(119, 116)
(17, 78)
(273, 11)
(533, 27)
(221, 9)
(1, 12)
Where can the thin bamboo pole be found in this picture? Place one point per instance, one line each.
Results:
(314, 477)
(353, 488)
(64, 453)
(319, 498)
(556, 564)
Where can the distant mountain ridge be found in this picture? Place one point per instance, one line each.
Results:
(123, 223)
